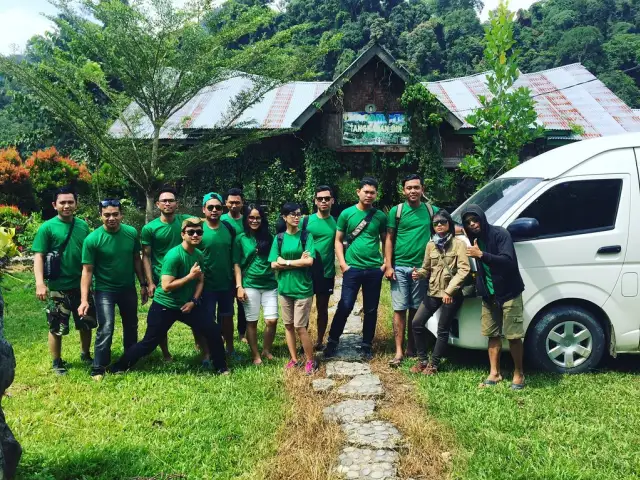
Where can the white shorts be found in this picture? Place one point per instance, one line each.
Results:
(256, 298)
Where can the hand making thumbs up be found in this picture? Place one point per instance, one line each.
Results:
(474, 250)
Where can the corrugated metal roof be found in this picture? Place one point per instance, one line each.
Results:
(564, 96)
(277, 109)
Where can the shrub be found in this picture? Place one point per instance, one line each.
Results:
(12, 218)
(14, 179)
(50, 170)
(24, 239)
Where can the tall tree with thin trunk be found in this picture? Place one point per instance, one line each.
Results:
(138, 63)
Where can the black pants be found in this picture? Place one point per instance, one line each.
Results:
(352, 280)
(242, 320)
(159, 321)
(427, 308)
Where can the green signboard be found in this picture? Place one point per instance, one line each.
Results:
(361, 128)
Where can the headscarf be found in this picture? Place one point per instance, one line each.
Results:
(211, 196)
(441, 242)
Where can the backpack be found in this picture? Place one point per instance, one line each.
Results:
(304, 235)
(232, 232)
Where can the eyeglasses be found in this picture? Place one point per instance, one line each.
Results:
(233, 203)
(440, 222)
(194, 233)
(167, 200)
(217, 208)
(254, 219)
(110, 203)
(295, 214)
(324, 199)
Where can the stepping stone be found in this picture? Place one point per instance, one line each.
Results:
(322, 385)
(332, 310)
(349, 348)
(376, 434)
(363, 386)
(353, 325)
(350, 411)
(365, 463)
(340, 369)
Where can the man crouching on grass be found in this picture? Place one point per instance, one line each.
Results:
(179, 299)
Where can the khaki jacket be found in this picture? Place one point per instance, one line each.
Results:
(440, 280)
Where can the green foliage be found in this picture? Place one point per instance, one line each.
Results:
(13, 220)
(27, 233)
(507, 120)
(279, 185)
(321, 167)
(424, 116)
(8, 249)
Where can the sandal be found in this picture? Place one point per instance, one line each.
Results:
(396, 362)
(489, 383)
(430, 370)
(518, 386)
(418, 367)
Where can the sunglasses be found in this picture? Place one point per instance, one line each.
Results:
(217, 208)
(324, 199)
(440, 222)
(254, 219)
(295, 214)
(470, 220)
(110, 203)
(194, 233)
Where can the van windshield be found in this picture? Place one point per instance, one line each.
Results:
(498, 196)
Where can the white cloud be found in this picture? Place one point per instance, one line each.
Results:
(18, 25)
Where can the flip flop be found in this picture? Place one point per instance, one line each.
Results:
(395, 362)
(518, 386)
(489, 383)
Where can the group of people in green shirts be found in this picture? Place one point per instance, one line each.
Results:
(195, 269)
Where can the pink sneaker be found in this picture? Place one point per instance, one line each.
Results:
(292, 363)
(310, 368)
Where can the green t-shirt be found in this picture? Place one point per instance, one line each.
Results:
(488, 279)
(258, 273)
(237, 224)
(296, 282)
(324, 236)
(111, 255)
(412, 236)
(364, 252)
(161, 237)
(177, 263)
(51, 235)
(219, 257)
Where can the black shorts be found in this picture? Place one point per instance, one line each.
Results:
(321, 284)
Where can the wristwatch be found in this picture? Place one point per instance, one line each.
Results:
(288, 263)
(196, 301)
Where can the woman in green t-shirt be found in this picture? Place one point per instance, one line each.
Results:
(255, 280)
(291, 256)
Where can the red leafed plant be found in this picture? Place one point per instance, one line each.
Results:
(12, 169)
(50, 170)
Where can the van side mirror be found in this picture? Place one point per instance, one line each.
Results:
(523, 228)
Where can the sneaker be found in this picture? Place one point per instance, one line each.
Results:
(292, 364)
(310, 367)
(59, 367)
(330, 350)
(97, 377)
(207, 365)
(319, 347)
(418, 367)
(86, 358)
(366, 354)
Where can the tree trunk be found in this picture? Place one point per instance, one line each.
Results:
(148, 212)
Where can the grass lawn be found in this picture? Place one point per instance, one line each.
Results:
(559, 427)
(158, 421)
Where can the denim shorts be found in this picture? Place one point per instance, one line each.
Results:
(406, 293)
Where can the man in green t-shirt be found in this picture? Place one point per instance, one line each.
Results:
(323, 228)
(235, 205)
(362, 265)
(157, 238)
(111, 258)
(220, 254)
(405, 246)
(63, 293)
(178, 298)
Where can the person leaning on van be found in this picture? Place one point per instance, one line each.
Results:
(500, 285)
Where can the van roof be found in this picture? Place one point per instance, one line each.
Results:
(555, 162)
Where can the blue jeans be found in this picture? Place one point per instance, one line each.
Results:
(127, 302)
(352, 280)
(223, 300)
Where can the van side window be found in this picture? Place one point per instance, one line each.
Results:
(576, 207)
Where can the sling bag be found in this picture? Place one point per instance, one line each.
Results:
(53, 260)
(359, 228)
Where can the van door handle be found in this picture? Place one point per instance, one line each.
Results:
(609, 249)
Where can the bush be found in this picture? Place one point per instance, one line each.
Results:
(24, 239)
(12, 218)
(14, 179)
(49, 170)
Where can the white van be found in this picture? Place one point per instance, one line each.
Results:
(574, 215)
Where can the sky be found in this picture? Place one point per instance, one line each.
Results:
(20, 20)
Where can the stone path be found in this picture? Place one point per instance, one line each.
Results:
(372, 444)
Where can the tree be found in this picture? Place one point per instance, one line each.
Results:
(507, 120)
(160, 57)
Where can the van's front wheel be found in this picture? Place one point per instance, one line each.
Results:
(566, 339)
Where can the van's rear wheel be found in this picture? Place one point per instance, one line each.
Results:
(566, 339)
